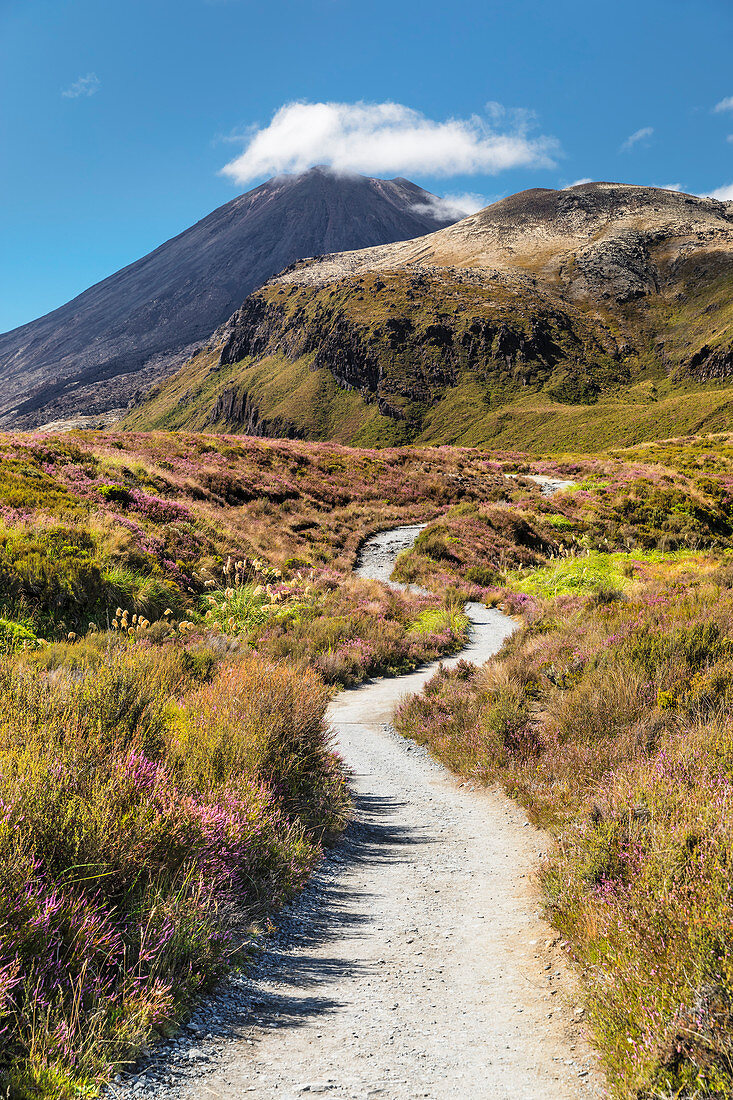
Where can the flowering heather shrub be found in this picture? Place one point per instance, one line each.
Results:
(156, 509)
(143, 511)
(143, 818)
(611, 721)
(354, 629)
(274, 498)
(101, 520)
(346, 633)
(266, 721)
(497, 536)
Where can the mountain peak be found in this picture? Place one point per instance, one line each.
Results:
(125, 333)
(540, 230)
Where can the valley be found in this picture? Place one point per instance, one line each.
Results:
(366, 550)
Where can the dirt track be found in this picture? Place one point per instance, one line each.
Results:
(416, 964)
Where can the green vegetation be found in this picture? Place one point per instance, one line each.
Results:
(147, 523)
(294, 398)
(152, 807)
(608, 715)
(162, 786)
(174, 610)
(588, 573)
(592, 572)
(433, 359)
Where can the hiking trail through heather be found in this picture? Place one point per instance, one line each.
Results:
(416, 963)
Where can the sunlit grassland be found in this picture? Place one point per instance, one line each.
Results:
(594, 571)
(175, 610)
(608, 715)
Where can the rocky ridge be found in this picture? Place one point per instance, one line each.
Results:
(573, 295)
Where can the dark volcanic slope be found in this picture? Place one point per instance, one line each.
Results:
(124, 333)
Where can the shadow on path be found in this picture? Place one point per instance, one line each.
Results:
(289, 982)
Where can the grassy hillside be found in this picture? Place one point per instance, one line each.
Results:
(615, 335)
(443, 376)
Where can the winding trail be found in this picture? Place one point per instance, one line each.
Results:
(416, 964)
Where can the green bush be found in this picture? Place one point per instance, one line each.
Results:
(50, 575)
(484, 576)
(116, 494)
(16, 636)
(434, 543)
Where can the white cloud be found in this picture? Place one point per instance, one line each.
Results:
(725, 194)
(577, 183)
(730, 138)
(668, 186)
(724, 105)
(389, 138)
(85, 85)
(639, 135)
(453, 206)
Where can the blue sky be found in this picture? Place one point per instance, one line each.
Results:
(118, 116)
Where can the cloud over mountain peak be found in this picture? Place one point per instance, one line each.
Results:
(384, 138)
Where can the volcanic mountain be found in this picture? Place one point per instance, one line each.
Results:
(122, 334)
(598, 314)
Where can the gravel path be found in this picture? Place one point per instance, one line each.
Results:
(416, 963)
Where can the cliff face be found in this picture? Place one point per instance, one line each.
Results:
(568, 298)
(234, 406)
(391, 339)
(124, 334)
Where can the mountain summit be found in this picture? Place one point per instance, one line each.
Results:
(552, 317)
(141, 323)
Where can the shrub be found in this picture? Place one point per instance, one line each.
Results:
(434, 543)
(484, 576)
(606, 594)
(51, 574)
(14, 635)
(136, 834)
(115, 494)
